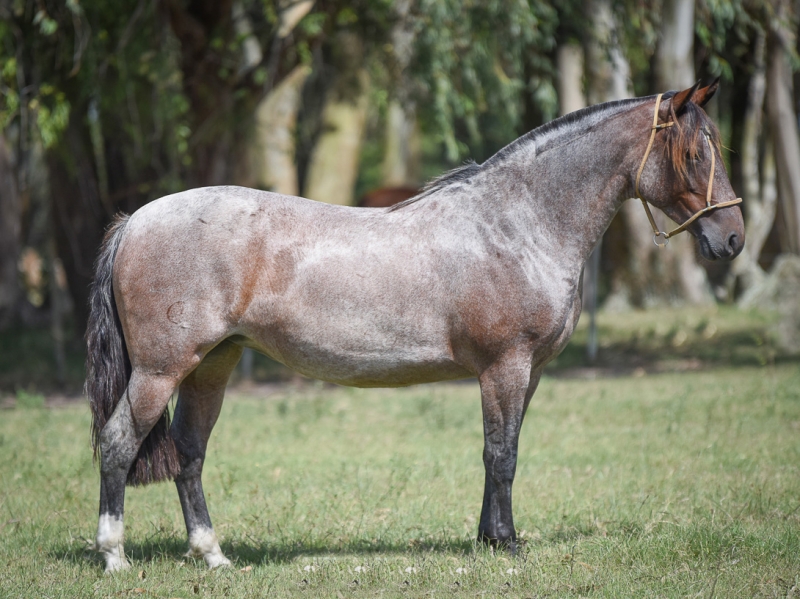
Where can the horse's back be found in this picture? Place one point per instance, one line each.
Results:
(336, 293)
(221, 206)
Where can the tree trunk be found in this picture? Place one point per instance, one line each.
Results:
(783, 126)
(759, 199)
(221, 99)
(675, 56)
(57, 311)
(609, 79)
(401, 161)
(78, 212)
(273, 156)
(608, 69)
(759, 222)
(10, 235)
(569, 59)
(333, 168)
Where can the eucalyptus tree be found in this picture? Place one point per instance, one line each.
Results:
(10, 223)
(479, 65)
(95, 87)
(134, 99)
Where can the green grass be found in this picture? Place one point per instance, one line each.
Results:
(668, 485)
(678, 339)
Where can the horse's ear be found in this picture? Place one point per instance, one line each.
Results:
(682, 99)
(704, 94)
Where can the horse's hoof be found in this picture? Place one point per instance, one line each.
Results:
(216, 560)
(509, 544)
(203, 542)
(116, 564)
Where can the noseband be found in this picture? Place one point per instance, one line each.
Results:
(660, 238)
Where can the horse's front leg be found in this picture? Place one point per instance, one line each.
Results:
(506, 389)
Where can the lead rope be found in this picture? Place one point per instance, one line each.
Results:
(660, 238)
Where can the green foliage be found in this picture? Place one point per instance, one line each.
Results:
(475, 58)
(479, 67)
(726, 31)
(115, 54)
(52, 114)
(47, 26)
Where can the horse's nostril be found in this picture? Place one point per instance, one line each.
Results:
(733, 242)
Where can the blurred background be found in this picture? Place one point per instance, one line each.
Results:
(105, 106)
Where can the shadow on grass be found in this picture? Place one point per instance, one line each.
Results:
(268, 551)
(168, 548)
(249, 550)
(287, 551)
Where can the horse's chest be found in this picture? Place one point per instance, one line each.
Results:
(541, 312)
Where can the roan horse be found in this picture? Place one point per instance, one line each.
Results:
(478, 276)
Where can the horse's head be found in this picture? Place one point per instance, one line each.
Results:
(687, 160)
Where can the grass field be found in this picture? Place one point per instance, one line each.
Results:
(667, 485)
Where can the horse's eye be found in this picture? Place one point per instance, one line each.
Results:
(693, 156)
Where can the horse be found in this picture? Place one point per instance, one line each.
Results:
(476, 276)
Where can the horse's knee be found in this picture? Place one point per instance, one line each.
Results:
(500, 462)
(190, 468)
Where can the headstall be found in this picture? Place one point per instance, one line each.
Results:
(660, 238)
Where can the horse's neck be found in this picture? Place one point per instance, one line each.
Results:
(571, 191)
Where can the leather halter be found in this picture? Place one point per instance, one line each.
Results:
(660, 238)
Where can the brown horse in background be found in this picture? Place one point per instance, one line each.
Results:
(477, 276)
(384, 197)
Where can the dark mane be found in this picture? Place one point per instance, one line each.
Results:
(563, 126)
(456, 175)
(679, 141)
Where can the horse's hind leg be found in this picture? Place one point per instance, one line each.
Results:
(139, 409)
(199, 403)
(506, 389)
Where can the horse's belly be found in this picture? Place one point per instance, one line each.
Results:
(383, 371)
(361, 349)
(361, 366)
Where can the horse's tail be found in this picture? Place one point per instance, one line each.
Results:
(108, 370)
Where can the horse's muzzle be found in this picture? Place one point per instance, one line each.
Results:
(731, 247)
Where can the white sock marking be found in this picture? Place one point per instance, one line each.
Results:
(203, 542)
(110, 530)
